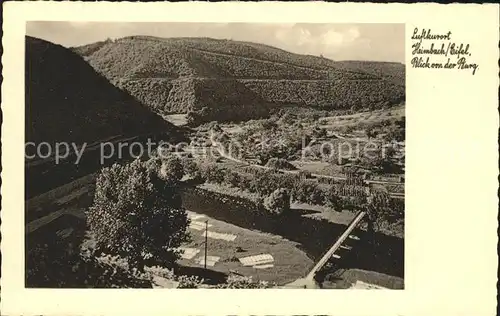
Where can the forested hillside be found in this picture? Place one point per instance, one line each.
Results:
(67, 101)
(232, 80)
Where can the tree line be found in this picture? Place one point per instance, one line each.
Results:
(341, 195)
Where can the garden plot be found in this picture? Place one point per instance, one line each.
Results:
(261, 261)
(199, 225)
(211, 260)
(264, 266)
(189, 253)
(193, 216)
(222, 236)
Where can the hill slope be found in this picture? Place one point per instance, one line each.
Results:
(67, 101)
(239, 80)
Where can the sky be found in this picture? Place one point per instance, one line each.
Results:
(375, 42)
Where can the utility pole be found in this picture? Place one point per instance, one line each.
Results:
(206, 242)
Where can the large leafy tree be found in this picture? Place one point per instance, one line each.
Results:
(382, 211)
(137, 214)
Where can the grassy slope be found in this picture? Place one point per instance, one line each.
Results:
(180, 74)
(290, 263)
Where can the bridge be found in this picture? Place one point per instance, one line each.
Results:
(309, 282)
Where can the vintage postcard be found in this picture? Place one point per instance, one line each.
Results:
(335, 159)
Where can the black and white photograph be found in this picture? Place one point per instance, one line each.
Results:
(174, 155)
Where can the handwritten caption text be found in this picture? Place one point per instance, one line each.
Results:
(439, 51)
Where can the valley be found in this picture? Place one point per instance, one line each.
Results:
(270, 147)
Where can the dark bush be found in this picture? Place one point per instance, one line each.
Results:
(278, 202)
(278, 163)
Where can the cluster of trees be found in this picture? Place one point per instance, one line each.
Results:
(267, 53)
(252, 68)
(281, 138)
(52, 262)
(393, 129)
(137, 212)
(280, 163)
(161, 93)
(226, 99)
(394, 72)
(153, 92)
(378, 163)
(89, 49)
(396, 188)
(278, 139)
(147, 68)
(129, 58)
(262, 182)
(339, 196)
(198, 117)
(330, 94)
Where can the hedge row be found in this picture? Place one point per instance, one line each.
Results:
(340, 195)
